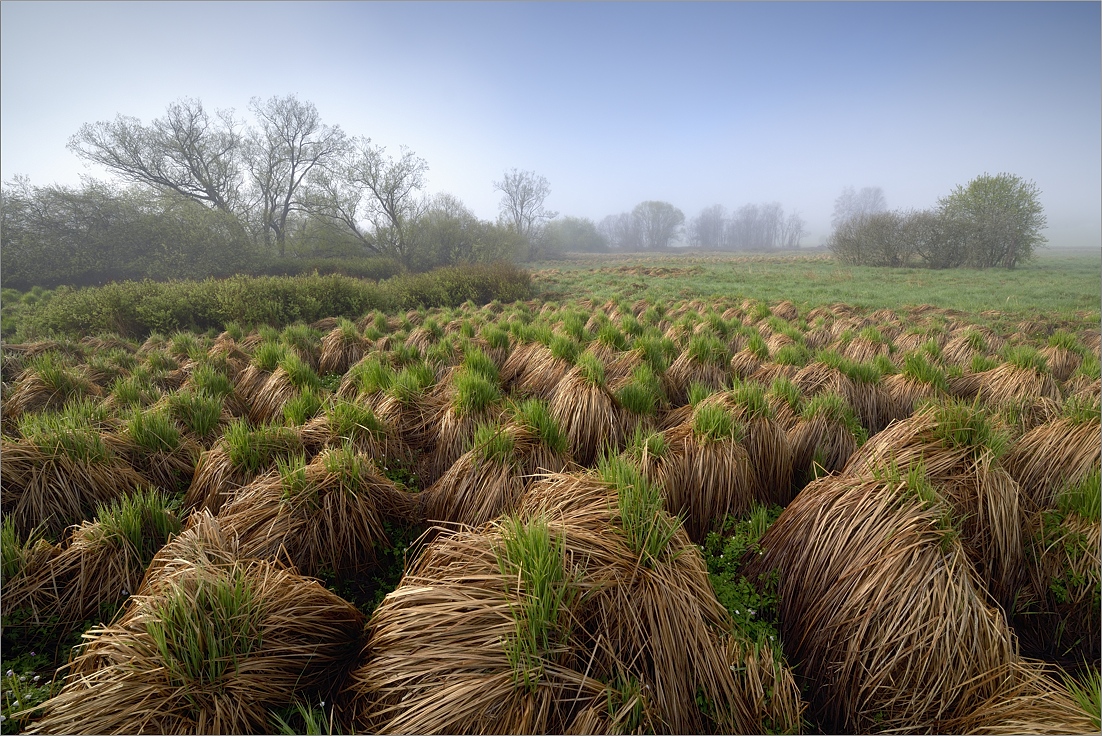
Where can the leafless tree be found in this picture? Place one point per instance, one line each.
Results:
(852, 203)
(289, 142)
(709, 228)
(659, 223)
(186, 151)
(621, 232)
(522, 201)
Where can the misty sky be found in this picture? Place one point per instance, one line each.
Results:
(615, 103)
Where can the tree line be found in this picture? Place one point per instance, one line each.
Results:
(993, 221)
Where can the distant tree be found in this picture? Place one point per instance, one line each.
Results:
(875, 239)
(852, 203)
(287, 144)
(100, 232)
(792, 231)
(933, 237)
(522, 201)
(186, 151)
(659, 223)
(392, 186)
(1000, 218)
(573, 234)
(621, 232)
(709, 229)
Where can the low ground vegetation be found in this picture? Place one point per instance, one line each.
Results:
(588, 515)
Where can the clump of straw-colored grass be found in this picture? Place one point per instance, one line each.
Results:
(103, 561)
(237, 458)
(909, 640)
(324, 516)
(208, 648)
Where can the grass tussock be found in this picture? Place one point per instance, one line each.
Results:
(208, 648)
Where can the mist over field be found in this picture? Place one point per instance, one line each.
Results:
(613, 103)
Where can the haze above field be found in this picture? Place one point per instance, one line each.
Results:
(615, 103)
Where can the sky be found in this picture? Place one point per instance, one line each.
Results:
(694, 103)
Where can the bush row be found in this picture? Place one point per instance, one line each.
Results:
(134, 309)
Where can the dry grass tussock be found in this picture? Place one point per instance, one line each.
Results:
(706, 478)
(53, 488)
(100, 563)
(961, 466)
(208, 648)
(621, 644)
(325, 516)
(589, 416)
(1052, 455)
(881, 608)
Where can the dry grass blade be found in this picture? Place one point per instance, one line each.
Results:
(1051, 456)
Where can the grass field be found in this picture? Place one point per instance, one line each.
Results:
(1064, 283)
(621, 504)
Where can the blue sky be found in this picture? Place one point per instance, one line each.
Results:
(615, 103)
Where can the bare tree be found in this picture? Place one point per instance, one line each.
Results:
(621, 231)
(186, 152)
(392, 185)
(709, 228)
(792, 231)
(289, 142)
(523, 195)
(659, 223)
(852, 203)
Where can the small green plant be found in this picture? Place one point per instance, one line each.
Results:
(751, 397)
(647, 526)
(536, 416)
(268, 355)
(591, 369)
(698, 392)
(134, 390)
(834, 408)
(707, 349)
(301, 718)
(643, 393)
(203, 630)
(1026, 358)
(981, 363)
(962, 425)
(352, 421)
(917, 367)
(474, 393)
(752, 604)
(795, 354)
(533, 557)
(1083, 498)
(1087, 692)
(302, 407)
(757, 346)
(788, 392)
(212, 381)
(492, 444)
(477, 361)
(253, 450)
(642, 443)
(64, 433)
(371, 375)
(714, 423)
(140, 522)
(564, 348)
(153, 431)
(199, 412)
(411, 382)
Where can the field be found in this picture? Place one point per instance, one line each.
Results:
(680, 494)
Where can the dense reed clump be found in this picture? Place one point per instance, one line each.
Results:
(209, 647)
(240, 456)
(102, 561)
(960, 449)
(324, 516)
(912, 642)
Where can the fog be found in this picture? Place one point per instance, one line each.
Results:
(613, 103)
